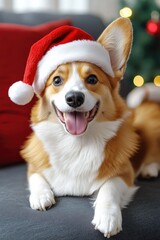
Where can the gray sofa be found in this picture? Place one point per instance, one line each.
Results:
(71, 217)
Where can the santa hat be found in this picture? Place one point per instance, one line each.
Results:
(63, 45)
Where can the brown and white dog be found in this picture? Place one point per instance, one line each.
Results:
(86, 140)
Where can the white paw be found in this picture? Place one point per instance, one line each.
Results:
(108, 221)
(150, 170)
(42, 200)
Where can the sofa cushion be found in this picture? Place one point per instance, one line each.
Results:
(70, 218)
(15, 43)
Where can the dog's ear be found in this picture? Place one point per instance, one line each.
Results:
(117, 39)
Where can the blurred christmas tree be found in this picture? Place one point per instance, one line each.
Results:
(144, 63)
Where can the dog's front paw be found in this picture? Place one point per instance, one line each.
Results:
(108, 221)
(42, 200)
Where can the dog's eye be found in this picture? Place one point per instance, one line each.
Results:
(57, 81)
(92, 79)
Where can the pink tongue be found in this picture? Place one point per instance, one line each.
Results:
(75, 122)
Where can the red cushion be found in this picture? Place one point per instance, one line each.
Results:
(15, 43)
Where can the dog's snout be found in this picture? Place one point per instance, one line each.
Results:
(75, 99)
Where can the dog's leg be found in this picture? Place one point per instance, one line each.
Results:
(112, 196)
(41, 196)
(150, 170)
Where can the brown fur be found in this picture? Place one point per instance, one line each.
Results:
(120, 148)
(147, 124)
(34, 153)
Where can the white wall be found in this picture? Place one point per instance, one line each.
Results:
(107, 9)
(79, 6)
(34, 5)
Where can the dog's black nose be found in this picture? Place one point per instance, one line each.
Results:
(75, 99)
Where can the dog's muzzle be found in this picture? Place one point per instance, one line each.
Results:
(76, 122)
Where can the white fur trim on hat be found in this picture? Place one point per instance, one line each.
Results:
(81, 50)
(21, 93)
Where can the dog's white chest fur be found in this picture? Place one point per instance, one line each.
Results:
(75, 160)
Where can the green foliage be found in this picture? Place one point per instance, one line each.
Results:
(145, 56)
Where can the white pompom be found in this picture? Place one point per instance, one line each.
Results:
(21, 93)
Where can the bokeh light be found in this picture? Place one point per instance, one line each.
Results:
(138, 81)
(157, 81)
(152, 27)
(125, 12)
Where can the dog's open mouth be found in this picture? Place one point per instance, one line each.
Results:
(76, 122)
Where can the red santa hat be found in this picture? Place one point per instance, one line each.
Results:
(63, 45)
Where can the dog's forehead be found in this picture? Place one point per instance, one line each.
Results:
(86, 68)
(64, 69)
(74, 73)
(74, 81)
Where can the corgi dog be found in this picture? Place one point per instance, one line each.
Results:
(86, 140)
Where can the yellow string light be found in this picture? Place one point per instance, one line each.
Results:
(138, 81)
(157, 81)
(125, 12)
